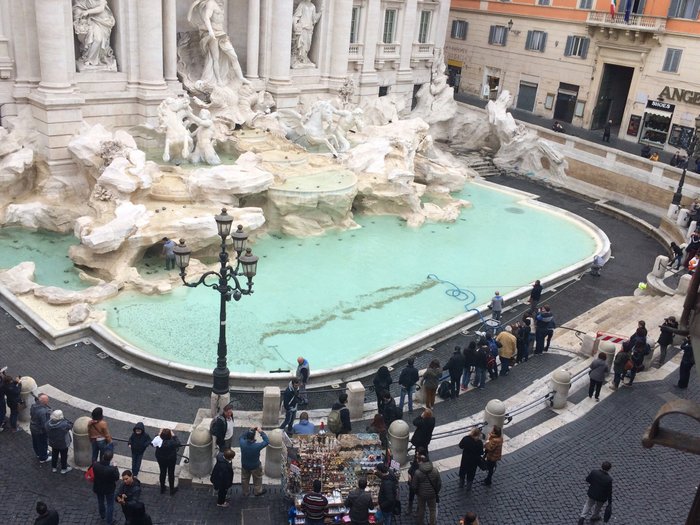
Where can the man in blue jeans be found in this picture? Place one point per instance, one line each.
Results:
(104, 486)
(408, 379)
(39, 414)
(290, 402)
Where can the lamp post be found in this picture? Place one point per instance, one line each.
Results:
(226, 282)
(691, 151)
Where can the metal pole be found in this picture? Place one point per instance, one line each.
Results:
(221, 372)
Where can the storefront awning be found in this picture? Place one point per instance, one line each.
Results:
(659, 112)
(455, 63)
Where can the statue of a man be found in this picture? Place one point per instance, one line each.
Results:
(208, 17)
(93, 22)
(304, 21)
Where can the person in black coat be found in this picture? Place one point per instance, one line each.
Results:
(391, 411)
(472, 449)
(166, 456)
(408, 379)
(599, 491)
(412, 468)
(523, 341)
(666, 337)
(139, 441)
(45, 516)
(687, 363)
(481, 358)
(382, 383)
(469, 354)
(222, 475)
(104, 486)
(425, 423)
(12, 388)
(138, 514)
(455, 366)
(388, 493)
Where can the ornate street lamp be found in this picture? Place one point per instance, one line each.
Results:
(226, 282)
(691, 151)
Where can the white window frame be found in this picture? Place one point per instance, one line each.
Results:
(672, 60)
(355, 24)
(391, 33)
(424, 24)
(459, 29)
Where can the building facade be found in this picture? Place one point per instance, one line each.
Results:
(576, 62)
(385, 46)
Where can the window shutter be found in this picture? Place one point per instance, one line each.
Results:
(528, 40)
(673, 9)
(544, 42)
(584, 47)
(695, 9)
(465, 25)
(491, 34)
(454, 29)
(675, 60)
(505, 36)
(667, 61)
(569, 45)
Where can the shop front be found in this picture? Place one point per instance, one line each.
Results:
(656, 123)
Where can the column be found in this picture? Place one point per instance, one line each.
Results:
(281, 41)
(54, 23)
(170, 40)
(253, 51)
(150, 28)
(374, 20)
(410, 19)
(342, 15)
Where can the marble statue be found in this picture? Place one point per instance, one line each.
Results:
(347, 120)
(304, 21)
(312, 129)
(205, 135)
(93, 22)
(172, 116)
(208, 17)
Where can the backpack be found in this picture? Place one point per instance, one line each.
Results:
(335, 425)
(444, 390)
(214, 425)
(491, 361)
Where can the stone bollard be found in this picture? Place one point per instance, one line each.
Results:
(200, 444)
(608, 349)
(271, 407)
(218, 402)
(660, 265)
(398, 440)
(27, 395)
(494, 415)
(672, 212)
(588, 344)
(356, 399)
(82, 448)
(273, 454)
(693, 226)
(561, 384)
(682, 218)
(684, 284)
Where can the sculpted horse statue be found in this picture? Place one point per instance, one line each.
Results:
(173, 116)
(312, 129)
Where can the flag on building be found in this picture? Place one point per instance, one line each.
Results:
(612, 7)
(628, 11)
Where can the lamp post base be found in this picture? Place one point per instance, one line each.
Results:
(218, 402)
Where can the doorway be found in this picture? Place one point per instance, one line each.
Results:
(526, 96)
(566, 102)
(493, 83)
(454, 76)
(612, 95)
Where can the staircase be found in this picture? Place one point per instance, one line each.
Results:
(479, 162)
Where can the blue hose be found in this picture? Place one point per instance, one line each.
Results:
(461, 294)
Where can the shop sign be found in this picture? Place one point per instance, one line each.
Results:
(663, 106)
(681, 95)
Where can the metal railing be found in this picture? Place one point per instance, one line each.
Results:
(185, 459)
(634, 21)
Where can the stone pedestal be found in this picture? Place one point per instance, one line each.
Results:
(398, 440)
(271, 407)
(200, 451)
(494, 415)
(273, 454)
(608, 349)
(684, 284)
(82, 448)
(682, 218)
(356, 399)
(218, 402)
(588, 344)
(561, 384)
(660, 264)
(27, 395)
(672, 212)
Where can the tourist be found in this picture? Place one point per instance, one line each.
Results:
(12, 388)
(544, 328)
(290, 401)
(382, 383)
(599, 367)
(430, 382)
(470, 519)
(302, 374)
(378, 426)
(676, 256)
(640, 333)
(391, 412)
(166, 445)
(666, 337)
(493, 448)
(407, 380)
(250, 461)
(558, 127)
(98, 432)
(427, 484)
(598, 263)
(314, 505)
(693, 263)
(640, 349)
(535, 295)
(697, 164)
(221, 428)
(128, 491)
(692, 248)
(646, 151)
(507, 349)
(359, 503)
(455, 366)
(687, 362)
(304, 427)
(137, 510)
(599, 491)
(425, 424)
(343, 425)
(412, 469)
(654, 157)
(523, 341)
(472, 449)
(675, 159)
(104, 485)
(222, 476)
(481, 362)
(45, 516)
(606, 131)
(59, 437)
(169, 253)
(496, 306)
(491, 363)
(469, 354)
(39, 415)
(388, 494)
(139, 441)
(620, 365)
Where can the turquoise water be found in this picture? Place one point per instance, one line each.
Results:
(347, 295)
(48, 250)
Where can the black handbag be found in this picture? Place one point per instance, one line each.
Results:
(483, 465)
(608, 513)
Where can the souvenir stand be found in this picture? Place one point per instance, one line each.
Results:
(337, 462)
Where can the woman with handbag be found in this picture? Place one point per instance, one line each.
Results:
(598, 369)
(166, 456)
(388, 494)
(620, 365)
(99, 435)
(494, 448)
(472, 450)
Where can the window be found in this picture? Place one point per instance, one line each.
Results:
(383, 91)
(355, 25)
(684, 9)
(498, 35)
(542, 2)
(459, 29)
(576, 46)
(586, 4)
(389, 26)
(536, 40)
(672, 60)
(424, 28)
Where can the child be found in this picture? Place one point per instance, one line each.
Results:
(138, 443)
